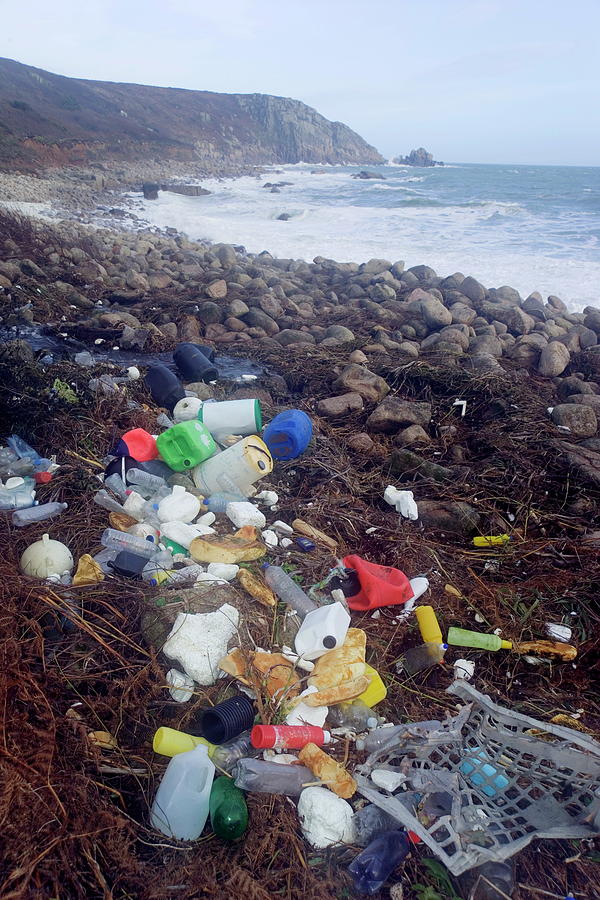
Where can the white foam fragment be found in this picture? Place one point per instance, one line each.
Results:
(302, 714)
(558, 632)
(225, 571)
(386, 779)
(181, 685)
(243, 513)
(269, 498)
(325, 819)
(286, 542)
(282, 527)
(270, 538)
(464, 668)
(197, 641)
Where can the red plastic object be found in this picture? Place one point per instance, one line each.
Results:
(42, 477)
(380, 585)
(288, 737)
(138, 444)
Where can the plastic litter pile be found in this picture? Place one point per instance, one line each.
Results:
(186, 511)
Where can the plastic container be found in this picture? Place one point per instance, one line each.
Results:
(381, 736)
(121, 540)
(228, 810)
(138, 444)
(25, 451)
(187, 409)
(288, 591)
(193, 364)
(171, 577)
(181, 804)
(261, 777)
(482, 774)
(460, 637)
(116, 486)
(22, 517)
(223, 722)
(208, 352)
(491, 881)
(103, 558)
(380, 585)
(377, 691)
(127, 564)
(217, 503)
(12, 465)
(288, 434)
(417, 659)
(240, 466)
(185, 445)
(104, 499)
(180, 532)
(287, 737)
(164, 386)
(354, 714)
(322, 630)
(46, 557)
(17, 496)
(371, 868)
(178, 506)
(170, 742)
(429, 625)
(369, 822)
(232, 417)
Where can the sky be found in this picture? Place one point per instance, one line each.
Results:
(488, 81)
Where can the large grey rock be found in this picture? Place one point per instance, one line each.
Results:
(375, 266)
(217, 290)
(472, 289)
(592, 319)
(434, 313)
(455, 517)
(136, 281)
(237, 308)
(16, 353)
(290, 336)
(210, 313)
(405, 462)
(340, 333)
(485, 345)
(226, 255)
(574, 385)
(414, 434)
(462, 314)
(579, 419)
(336, 407)
(256, 318)
(583, 460)
(554, 359)
(591, 400)
(270, 305)
(133, 338)
(370, 386)
(382, 292)
(393, 412)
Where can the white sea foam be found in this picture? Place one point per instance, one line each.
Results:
(499, 241)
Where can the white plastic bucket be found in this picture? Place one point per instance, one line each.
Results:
(240, 465)
(231, 417)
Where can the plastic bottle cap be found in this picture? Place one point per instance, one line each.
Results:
(371, 722)
(326, 737)
(329, 641)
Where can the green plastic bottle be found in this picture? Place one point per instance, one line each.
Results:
(460, 637)
(228, 810)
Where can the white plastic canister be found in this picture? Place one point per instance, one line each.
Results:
(322, 630)
(46, 557)
(240, 465)
(178, 506)
(231, 417)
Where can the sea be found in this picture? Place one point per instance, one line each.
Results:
(535, 228)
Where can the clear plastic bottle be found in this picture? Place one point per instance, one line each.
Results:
(417, 659)
(354, 714)
(154, 574)
(217, 503)
(22, 517)
(18, 496)
(369, 822)
(181, 805)
(104, 499)
(381, 736)
(117, 486)
(371, 868)
(25, 451)
(261, 777)
(153, 483)
(10, 465)
(288, 591)
(121, 540)
(103, 558)
(226, 756)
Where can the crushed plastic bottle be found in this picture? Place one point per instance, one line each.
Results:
(371, 868)
(226, 756)
(354, 714)
(22, 517)
(103, 498)
(417, 659)
(288, 591)
(262, 777)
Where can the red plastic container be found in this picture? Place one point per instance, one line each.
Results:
(42, 477)
(287, 737)
(380, 585)
(138, 444)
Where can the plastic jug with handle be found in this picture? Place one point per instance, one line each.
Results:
(181, 805)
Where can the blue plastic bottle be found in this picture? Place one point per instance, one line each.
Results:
(371, 868)
(289, 434)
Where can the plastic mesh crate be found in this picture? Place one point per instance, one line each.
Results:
(488, 785)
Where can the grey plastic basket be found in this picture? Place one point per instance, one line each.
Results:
(497, 785)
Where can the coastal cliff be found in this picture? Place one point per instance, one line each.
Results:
(49, 119)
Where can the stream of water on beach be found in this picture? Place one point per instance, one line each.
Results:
(532, 227)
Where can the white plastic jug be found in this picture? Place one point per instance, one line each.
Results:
(186, 409)
(178, 506)
(180, 807)
(46, 557)
(231, 417)
(240, 466)
(183, 533)
(322, 630)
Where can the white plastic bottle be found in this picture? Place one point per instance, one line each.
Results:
(22, 517)
(180, 807)
(183, 533)
(322, 630)
(178, 506)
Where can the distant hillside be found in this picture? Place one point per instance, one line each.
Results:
(51, 119)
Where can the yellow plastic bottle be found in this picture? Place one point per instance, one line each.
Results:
(377, 691)
(429, 625)
(491, 540)
(170, 742)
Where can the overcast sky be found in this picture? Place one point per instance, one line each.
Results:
(471, 80)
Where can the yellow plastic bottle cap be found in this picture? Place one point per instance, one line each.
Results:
(377, 691)
(170, 742)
